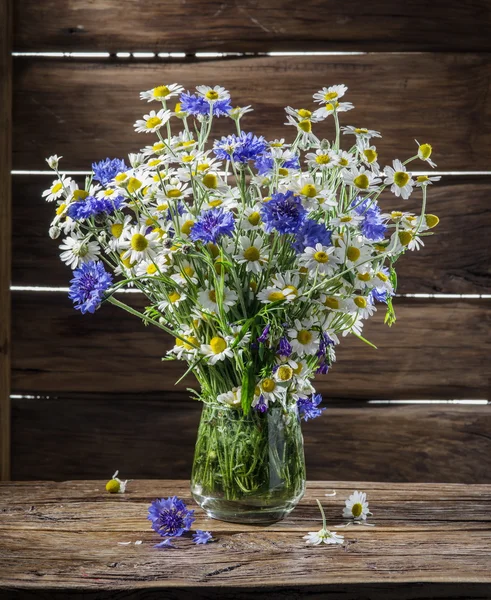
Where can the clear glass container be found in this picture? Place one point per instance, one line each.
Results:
(248, 469)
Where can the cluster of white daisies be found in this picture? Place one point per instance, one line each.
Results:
(255, 255)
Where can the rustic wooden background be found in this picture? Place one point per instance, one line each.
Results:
(89, 394)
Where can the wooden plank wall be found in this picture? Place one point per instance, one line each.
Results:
(90, 394)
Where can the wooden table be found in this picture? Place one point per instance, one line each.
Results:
(65, 540)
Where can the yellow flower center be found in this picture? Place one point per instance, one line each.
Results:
(212, 295)
(214, 203)
(126, 261)
(405, 237)
(361, 181)
(161, 91)
(210, 180)
(304, 113)
(116, 229)
(330, 96)
(113, 486)
(346, 219)
(298, 369)
(353, 253)
(80, 195)
(154, 162)
(109, 192)
(431, 220)
(422, 178)
(82, 251)
(60, 209)
(309, 190)
(360, 302)
(153, 122)
(396, 214)
(187, 226)
(218, 345)
(56, 188)
(401, 178)
(202, 167)
(151, 269)
(363, 276)
(254, 218)
(322, 159)
(370, 155)
(191, 343)
(425, 151)
(291, 289)
(158, 146)
(253, 286)
(120, 177)
(251, 254)
(139, 242)
(212, 95)
(134, 184)
(382, 276)
(268, 385)
(175, 193)
(189, 271)
(360, 130)
(332, 105)
(284, 373)
(174, 297)
(162, 207)
(331, 302)
(305, 126)
(188, 158)
(321, 257)
(304, 336)
(274, 296)
(343, 162)
(282, 171)
(177, 107)
(356, 509)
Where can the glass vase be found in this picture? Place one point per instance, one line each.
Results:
(248, 468)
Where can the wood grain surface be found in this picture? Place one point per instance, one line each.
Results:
(249, 25)
(80, 436)
(85, 110)
(447, 264)
(65, 538)
(5, 230)
(435, 350)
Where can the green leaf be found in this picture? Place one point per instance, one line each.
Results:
(360, 337)
(248, 384)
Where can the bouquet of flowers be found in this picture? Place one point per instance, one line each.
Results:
(257, 256)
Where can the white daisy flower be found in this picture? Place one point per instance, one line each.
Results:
(151, 267)
(184, 350)
(231, 398)
(360, 132)
(357, 507)
(76, 249)
(272, 390)
(252, 254)
(239, 111)
(362, 306)
(301, 114)
(251, 218)
(322, 159)
(368, 155)
(117, 227)
(208, 299)
(361, 179)
(289, 283)
(284, 373)
(364, 278)
(116, 485)
(138, 244)
(153, 121)
(400, 180)
(333, 303)
(273, 294)
(324, 535)
(53, 161)
(328, 94)
(351, 218)
(343, 159)
(313, 193)
(162, 92)
(332, 107)
(303, 338)
(212, 94)
(424, 153)
(322, 259)
(353, 251)
(304, 128)
(424, 180)
(175, 297)
(218, 349)
(57, 188)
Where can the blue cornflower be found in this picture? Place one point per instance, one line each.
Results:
(197, 105)
(284, 347)
(88, 286)
(212, 224)
(167, 543)
(106, 170)
(170, 517)
(310, 234)
(202, 537)
(284, 212)
(307, 407)
(263, 338)
(265, 163)
(91, 207)
(373, 225)
(239, 148)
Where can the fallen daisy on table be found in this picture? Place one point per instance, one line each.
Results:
(324, 535)
(115, 485)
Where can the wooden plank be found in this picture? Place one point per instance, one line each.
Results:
(435, 350)
(447, 264)
(5, 230)
(74, 547)
(85, 110)
(112, 25)
(99, 434)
